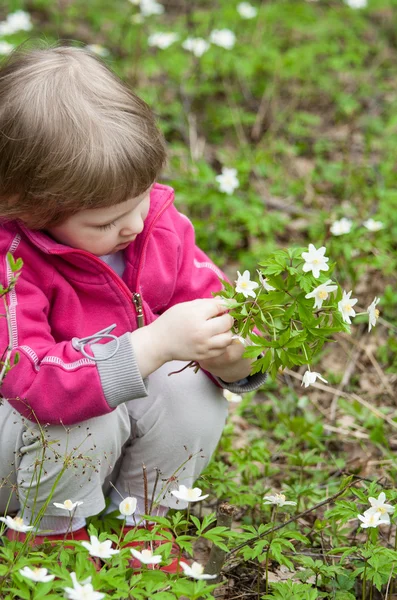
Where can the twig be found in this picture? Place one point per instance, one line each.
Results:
(293, 519)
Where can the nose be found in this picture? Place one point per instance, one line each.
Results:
(133, 226)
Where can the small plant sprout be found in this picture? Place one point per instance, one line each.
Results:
(127, 507)
(321, 293)
(230, 397)
(196, 46)
(244, 285)
(310, 377)
(315, 260)
(373, 520)
(162, 40)
(246, 10)
(380, 507)
(227, 180)
(146, 557)
(83, 590)
(68, 505)
(36, 574)
(266, 286)
(373, 313)
(16, 524)
(223, 38)
(196, 571)
(99, 549)
(188, 494)
(345, 307)
(373, 225)
(278, 499)
(341, 227)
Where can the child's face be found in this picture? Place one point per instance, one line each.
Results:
(104, 230)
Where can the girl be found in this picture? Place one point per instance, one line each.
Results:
(113, 293)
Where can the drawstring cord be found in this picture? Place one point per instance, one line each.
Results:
(79, 343)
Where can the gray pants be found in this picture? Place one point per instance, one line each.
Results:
(174, 430)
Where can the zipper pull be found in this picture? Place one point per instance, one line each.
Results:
(137, 300)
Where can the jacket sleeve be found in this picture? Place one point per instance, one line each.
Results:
(198, 277)
(62, 382)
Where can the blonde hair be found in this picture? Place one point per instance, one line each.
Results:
(72, 137)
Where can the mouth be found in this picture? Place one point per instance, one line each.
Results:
(125, 244)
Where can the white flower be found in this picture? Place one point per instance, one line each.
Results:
(99, 549)
(310, 377)
(188, 494)
(228, 180)
(196, 45)
(321, 292)
(162, 40)
(279, 500)
(341, 227)
(315, 260)
(379, 506)
(83, 590)
(196, 571)
(36, 574)
(373, 520)
(98, 49)
(345, 306)
(244, 285)
(16, 524)
(230, 397)
(373, 313)
(246, 10)
(16, 21)
(373, 225)
(146, 557)
(223, 38)
(68, 505)
(266, 286)
(150, 7)
(6, 48)
(127, 507)
(356, 3)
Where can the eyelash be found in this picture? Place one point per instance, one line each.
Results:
(107, 226)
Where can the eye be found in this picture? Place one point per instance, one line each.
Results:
(107, 226)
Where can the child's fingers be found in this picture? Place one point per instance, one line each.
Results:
(214, 307)
(221, 324)
(221, 341)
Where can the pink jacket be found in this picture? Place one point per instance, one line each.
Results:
(65, 295)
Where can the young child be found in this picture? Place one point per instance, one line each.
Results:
(114, 295)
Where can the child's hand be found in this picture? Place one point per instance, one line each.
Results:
(197, 330)
(229, 366)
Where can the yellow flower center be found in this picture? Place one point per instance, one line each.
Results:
(190, 493)
(348, 307)
(243, 284)
(377, 313)
(382, 510)
(18, 520)
(147, 554)
(315, 261)
(280, 497)
(323, 294)
(68, 504)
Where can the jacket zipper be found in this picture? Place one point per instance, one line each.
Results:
(137, 300)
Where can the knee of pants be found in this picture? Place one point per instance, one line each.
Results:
(186, 407)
